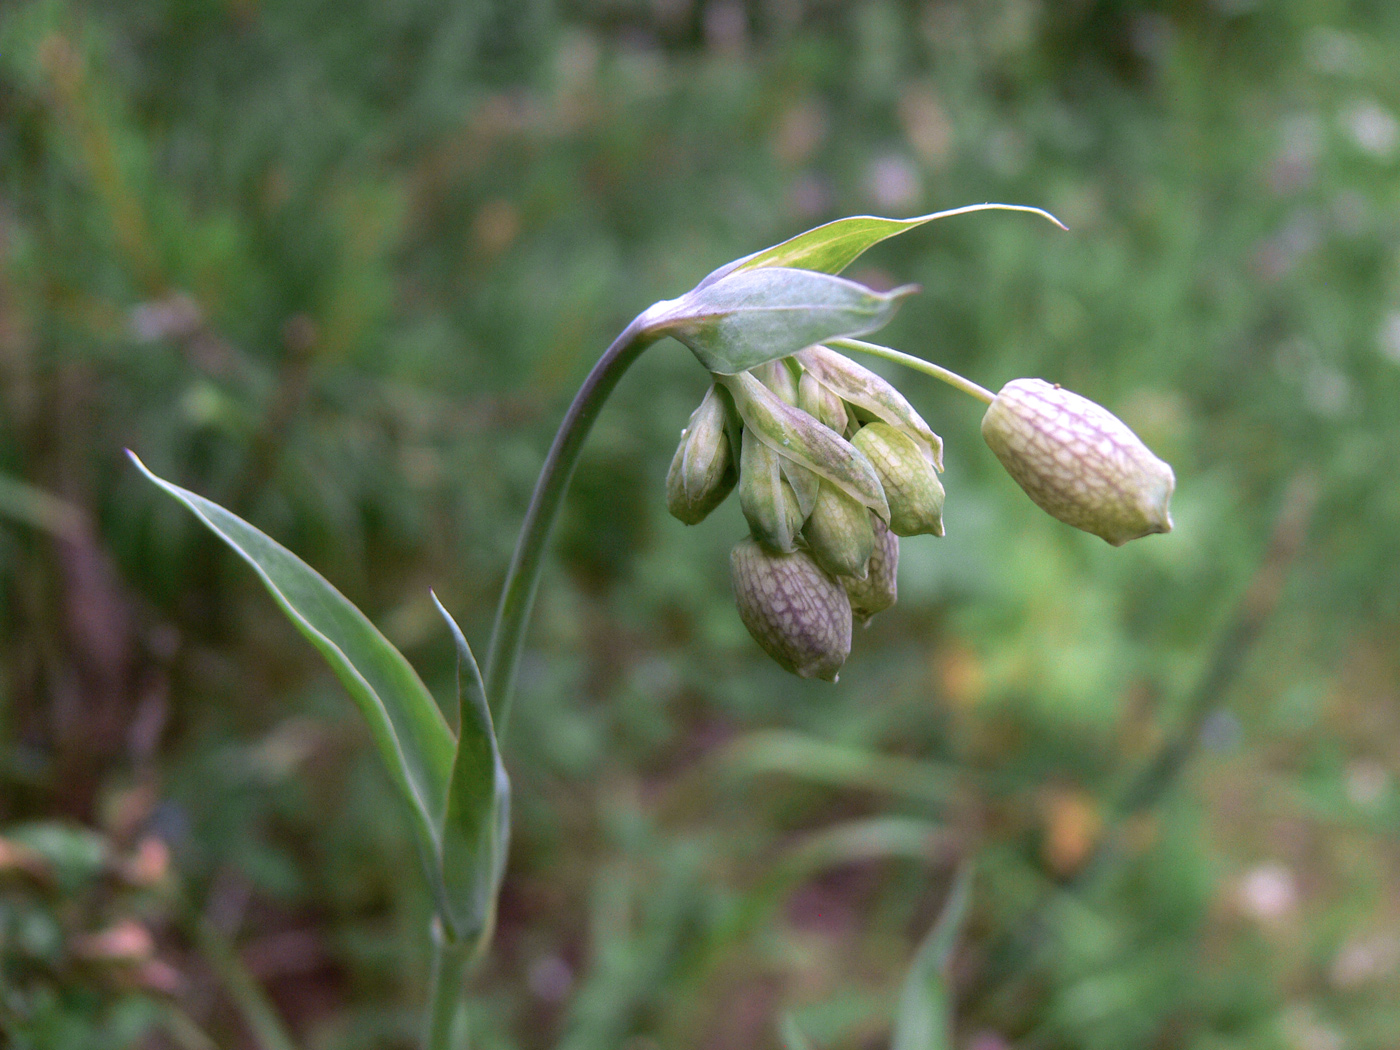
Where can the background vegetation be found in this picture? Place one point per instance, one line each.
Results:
(339, 265)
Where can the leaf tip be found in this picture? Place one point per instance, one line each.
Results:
(136, 461)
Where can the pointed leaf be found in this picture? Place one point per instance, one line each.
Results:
(757, 316)
(476, 832)
(413, 739)
(795, 435)
(831, 247)
(925, 1017)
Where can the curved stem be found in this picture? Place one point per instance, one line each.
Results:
(451, 960)
(518, 596)
(967, 386)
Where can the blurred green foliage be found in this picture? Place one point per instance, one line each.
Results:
(339, 267)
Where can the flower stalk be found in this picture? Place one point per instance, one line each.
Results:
(523, 576)
(918, 364)
(452, 962)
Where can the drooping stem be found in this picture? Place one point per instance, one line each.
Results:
(451, 961)
(967, 386)
(522, 580)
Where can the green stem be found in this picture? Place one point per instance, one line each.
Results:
(522, 580)
(247, 995)
(451, 961)
(967, 386)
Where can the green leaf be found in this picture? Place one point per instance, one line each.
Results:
(832, 247)
(477, 829)
(751, 318)
(408, 729)
(925, 1017)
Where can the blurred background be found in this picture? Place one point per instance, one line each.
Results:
(341, 265)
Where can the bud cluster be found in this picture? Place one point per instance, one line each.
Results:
(833, 465)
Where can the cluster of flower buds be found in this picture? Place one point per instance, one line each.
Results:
(833, 465)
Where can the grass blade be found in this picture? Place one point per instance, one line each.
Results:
(925, 1017)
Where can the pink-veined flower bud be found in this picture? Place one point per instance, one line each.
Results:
(794, 609)
(878, 591)
(1078, 461)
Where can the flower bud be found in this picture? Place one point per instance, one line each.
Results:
(805, 485)
(822, 403)
(877, 592)
(839, 533)
(796, 436)
(777, 377)
(1078, 461)
(767, 499)
(911, 485)
(794, 610)
(702, 471)
(872, 394)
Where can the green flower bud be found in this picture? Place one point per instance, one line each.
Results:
(872, 394)
(911, 485)
(767, 499)
(822, 403)
(795, 435)
(794, 610)
(877, 592)
(1078, 461)
(839, 533)
(702, 471)
(777, 377)
(805, 485)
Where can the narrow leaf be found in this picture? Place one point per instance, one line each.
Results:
(925, 1017)
(831, 247)
(476, 832)
(757, 316)
(413, 739)
(795, 435)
